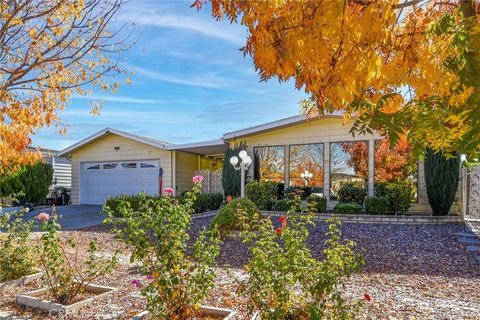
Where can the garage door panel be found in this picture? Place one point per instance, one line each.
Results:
(113, 178)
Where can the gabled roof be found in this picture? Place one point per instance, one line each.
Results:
(275, 124)
(207, 148)
(156, 143)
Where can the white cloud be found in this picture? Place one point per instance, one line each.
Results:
(205, 80)
(121, 99)
(211, 28)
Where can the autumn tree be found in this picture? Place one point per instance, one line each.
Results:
(49, 50)
(400, 66)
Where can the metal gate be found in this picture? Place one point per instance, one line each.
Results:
(471, 192)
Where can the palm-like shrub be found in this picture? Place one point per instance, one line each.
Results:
(230, 176)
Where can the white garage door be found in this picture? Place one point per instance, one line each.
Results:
(99, 180)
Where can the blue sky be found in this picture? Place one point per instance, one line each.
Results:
(191, 82)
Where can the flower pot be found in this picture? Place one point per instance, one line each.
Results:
(22, 281)
(227, 314)
(33, 299)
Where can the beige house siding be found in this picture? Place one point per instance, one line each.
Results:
(185, 166)
(103, 149)
(326, 130)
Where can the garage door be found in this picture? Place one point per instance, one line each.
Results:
(100, 180)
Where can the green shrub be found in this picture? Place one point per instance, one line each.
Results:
(352, 192)
(228, 218)
(441, 178)
(114, 205)
(283, 205)
(398, 194)
(263, 194)
(377, 205)
(30, 184)
(349, 208)
(207, 201)
(303, 192)
(320, 203)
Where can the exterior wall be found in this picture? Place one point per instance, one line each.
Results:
(327, 130)
(185, 166)
(103, 150)
(62, 171)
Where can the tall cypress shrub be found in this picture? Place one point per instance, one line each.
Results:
(230, 176)
(441, 178)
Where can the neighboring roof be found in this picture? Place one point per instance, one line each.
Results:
(101, 133)
(274, 124)
(211, 147)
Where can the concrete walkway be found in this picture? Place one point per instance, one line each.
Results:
(72, 217)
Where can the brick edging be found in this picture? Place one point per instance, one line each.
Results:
(382, 219)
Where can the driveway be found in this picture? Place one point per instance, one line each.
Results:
(73, 217)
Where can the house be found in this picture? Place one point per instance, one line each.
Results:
(111, 162)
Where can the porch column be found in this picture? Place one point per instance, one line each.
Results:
(371, 168)
(326, 170)
(287, 166)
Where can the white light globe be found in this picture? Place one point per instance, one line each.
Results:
(302, 175)
(247, 160)
(242, 154)
(234, 161)
(463, 157)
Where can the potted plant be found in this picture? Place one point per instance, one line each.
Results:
(286, 282)
(68, 286)
(175, 277)
(16, 261)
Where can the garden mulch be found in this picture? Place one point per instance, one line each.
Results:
(411, 272)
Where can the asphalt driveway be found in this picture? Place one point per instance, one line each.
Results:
(72, 217)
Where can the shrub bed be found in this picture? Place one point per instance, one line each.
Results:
(207, 201)
(303, 192)
(228, 218)
(352, 192)
(263, 194)
(377, 205)
(320, 203)
(398, 194)
(283, 205)
(348, 208)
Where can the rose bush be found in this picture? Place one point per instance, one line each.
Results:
(64, 276)
(174, 282)
(286, 282)
(16, 259)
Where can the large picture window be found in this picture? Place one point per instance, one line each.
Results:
(269, 163)
(396, 164)
(348, 163)
(307, 157)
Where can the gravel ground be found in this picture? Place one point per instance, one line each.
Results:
(411, 272)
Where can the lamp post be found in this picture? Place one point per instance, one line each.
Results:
(306, 176)
(243, 164)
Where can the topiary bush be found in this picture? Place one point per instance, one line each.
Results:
(348, 208)
(228, 218)
(441, 178)
(283, 205)
(352, 192)
(377, 205)
(263, 194)
(398, 194)
(320, 203)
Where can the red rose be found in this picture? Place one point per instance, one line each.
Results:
(278, 231)
(367, 297)
(229, 198)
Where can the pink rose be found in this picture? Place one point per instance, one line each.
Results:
(169, 191)
(197, 179)
(137, 283)
(43, 216)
